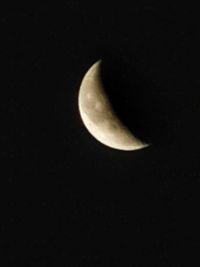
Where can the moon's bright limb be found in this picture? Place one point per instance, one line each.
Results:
(98, 115)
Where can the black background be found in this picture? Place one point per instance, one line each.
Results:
(67, 200)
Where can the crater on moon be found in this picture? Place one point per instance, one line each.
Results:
(99, 106)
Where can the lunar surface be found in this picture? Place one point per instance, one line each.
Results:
(99, 117)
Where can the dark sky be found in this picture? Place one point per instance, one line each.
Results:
(68, 200)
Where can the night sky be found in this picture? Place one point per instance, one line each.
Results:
(68, 200)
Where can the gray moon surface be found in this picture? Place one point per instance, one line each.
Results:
(99, 117)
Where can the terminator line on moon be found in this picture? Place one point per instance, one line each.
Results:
(99, 117)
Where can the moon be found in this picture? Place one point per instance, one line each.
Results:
(98, 114)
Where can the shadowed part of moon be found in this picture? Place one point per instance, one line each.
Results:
(99, 117)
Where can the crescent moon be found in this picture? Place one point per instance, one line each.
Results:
(99, 117)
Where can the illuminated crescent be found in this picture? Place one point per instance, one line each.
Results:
(99, 117)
